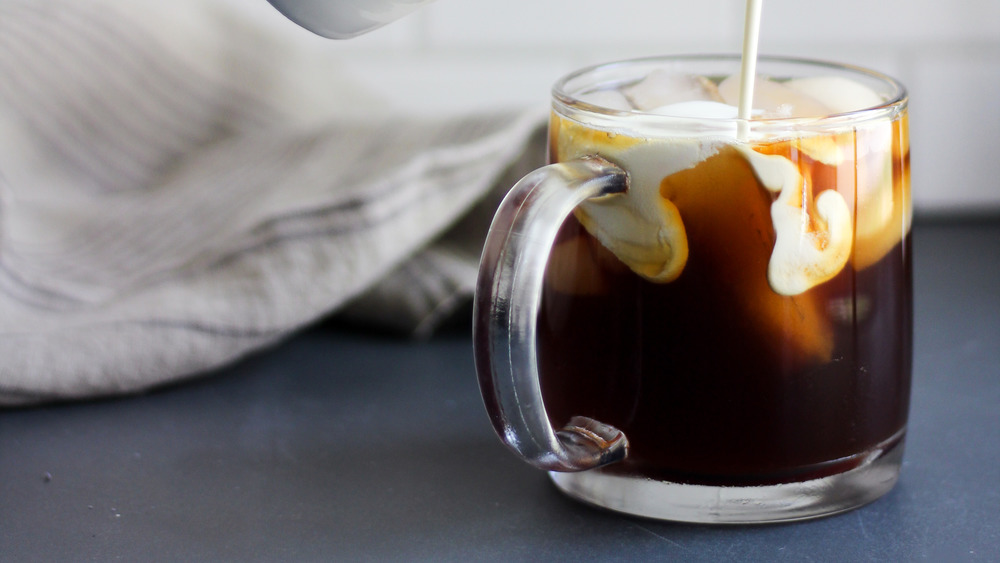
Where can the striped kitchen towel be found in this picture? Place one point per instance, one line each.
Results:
(181, 185)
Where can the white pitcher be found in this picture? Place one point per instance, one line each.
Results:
(343, 19)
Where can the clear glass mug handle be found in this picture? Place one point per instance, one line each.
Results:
(508, 295)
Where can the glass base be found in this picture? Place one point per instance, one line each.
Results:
(680, 502)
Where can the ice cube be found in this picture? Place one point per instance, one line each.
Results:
(837, 93)
(661, 88)
(708, 119)
(773, 99)
(609, 99)
(881, 207)
(698, 109)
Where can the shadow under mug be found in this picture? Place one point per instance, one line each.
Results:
(680, 323)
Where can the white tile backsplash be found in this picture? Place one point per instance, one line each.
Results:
(955, 111)
(878, 22)
(566, 23)
(466, 55)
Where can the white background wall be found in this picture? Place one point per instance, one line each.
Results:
(462, 55)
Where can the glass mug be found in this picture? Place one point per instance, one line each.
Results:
(696, 319)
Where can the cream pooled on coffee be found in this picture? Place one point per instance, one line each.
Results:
(814, 233)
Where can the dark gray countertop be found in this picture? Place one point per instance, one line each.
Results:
(340, 445)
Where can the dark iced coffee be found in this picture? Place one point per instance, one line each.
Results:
(719, 366)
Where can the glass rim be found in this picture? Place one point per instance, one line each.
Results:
(897, 96)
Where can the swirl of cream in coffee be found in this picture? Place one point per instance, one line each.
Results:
(813, 226)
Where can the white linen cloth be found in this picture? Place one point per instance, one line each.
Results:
(181, 185)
